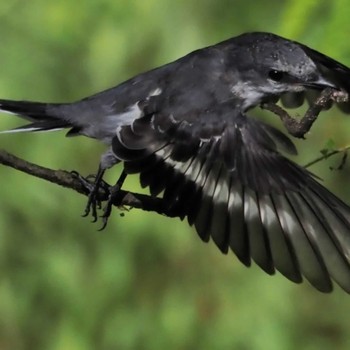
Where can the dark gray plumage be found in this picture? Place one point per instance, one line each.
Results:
(184, 128)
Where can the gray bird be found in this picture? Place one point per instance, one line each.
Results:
(184, 128)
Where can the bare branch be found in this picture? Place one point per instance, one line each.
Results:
(68, 180)
(298, 128)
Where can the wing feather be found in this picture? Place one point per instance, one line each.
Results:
(229, 179)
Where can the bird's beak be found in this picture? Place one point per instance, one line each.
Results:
(320, 83)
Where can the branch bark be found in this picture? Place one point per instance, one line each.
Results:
(298, 128)
(66, 179)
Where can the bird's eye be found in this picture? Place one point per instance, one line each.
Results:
(276, 75)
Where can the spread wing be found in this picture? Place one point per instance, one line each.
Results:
(223, 171)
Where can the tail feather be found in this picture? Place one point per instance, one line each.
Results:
(39, 114)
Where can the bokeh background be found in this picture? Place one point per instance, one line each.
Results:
(146, 282)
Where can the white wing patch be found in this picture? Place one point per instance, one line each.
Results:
(155, 92)
(129, 116)
(126, 118)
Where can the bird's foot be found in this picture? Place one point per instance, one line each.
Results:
(93, 184)
(113, 199)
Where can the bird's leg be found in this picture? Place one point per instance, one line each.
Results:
(93, 188)
(93, 201)
(112, 199)
(298, 128)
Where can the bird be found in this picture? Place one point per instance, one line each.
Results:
(185, 129)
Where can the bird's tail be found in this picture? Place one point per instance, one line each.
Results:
(42, 116)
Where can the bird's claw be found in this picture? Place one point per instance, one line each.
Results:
(92, 205)
(92, 187)
(113, 194)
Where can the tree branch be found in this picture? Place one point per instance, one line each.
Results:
(68, 180)
(298, 128)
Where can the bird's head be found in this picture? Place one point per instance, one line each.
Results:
(268, 65)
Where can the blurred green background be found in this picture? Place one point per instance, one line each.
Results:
(146, 282)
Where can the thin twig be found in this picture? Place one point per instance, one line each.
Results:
(326, 155)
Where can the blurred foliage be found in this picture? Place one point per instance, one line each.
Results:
(147, 282)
